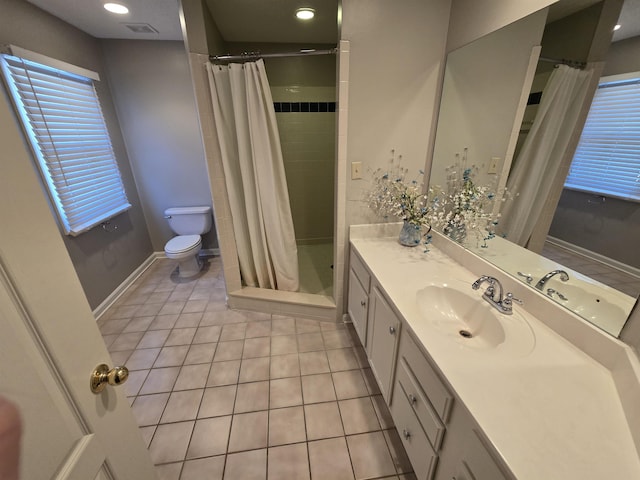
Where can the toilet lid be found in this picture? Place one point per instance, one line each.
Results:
(182, 243)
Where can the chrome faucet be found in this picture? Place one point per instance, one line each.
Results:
(564, 276)
(495, 299)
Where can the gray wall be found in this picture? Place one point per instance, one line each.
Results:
(152, 91)
(102, 260)
(611, 228)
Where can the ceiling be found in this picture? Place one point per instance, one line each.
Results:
(253, 20)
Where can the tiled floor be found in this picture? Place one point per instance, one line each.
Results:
(610, 276)
(244, 395)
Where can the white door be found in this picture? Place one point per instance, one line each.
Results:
(50, 343)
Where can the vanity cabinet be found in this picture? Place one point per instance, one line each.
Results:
(358, 299)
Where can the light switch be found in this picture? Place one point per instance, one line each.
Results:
(356, 170)
(493, 165)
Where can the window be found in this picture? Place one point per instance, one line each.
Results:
(61, 115)
(607, 160)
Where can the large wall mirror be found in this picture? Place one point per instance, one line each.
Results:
(490, 101)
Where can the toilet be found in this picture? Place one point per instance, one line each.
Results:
(188, 223)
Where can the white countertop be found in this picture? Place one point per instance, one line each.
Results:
(552, 414)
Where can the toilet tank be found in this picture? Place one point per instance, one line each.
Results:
(189, 220)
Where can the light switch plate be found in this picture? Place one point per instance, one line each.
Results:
(356, 170)
(493, 165)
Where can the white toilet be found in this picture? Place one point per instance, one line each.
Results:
(188, 223)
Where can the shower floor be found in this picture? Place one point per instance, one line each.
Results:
(316, 274)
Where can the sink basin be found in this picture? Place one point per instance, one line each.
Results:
(465, 318)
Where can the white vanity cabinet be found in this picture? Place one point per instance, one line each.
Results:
(358, 299)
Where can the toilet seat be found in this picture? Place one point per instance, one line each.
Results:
(182, 243)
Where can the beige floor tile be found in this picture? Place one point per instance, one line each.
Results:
(284, 344)
(121, 357)
(289, 462)
(195, 306)
(147, 409)
(370, 456)
(170, 308)
(188, 320)
(349, 384)
(260, 328)
(285, 392)
(313, 362)
(192, 376)
(170, 442)
(329, 460)
(201, 353)
(285, 366)
(160, 380)
(252, 397)
(358, 416)
(142, 359)
(342, 359)
(257, 347)
(254, 369)
(182, 406)
(224, 373)
(210, 468)
(134, 382)
(207, 334)
(304, 325)
(337, 339)
(323, 420)
(249, 431)
(127, 341)
(382, 412)
(210, 437)
(398, 453)
(154, 338)
(170, 471)
(163, 322)
(158, 297)
(247, 466)
(286, 425)
(138, 324)
(228, 350)
(217, 401)
(310, 342)
(109, 339)
(113, 327)
(318, 388)
(180, 336)
(233, 331)
(171, 356)
(149, 309)
(124, 311)
(281, 325)
(147, 434)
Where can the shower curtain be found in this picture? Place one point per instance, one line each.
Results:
(254, 175)
(544, 148)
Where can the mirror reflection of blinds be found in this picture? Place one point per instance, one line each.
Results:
(607, 160)
(61, 114)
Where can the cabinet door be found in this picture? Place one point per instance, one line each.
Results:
(385, 332)
(357, 306)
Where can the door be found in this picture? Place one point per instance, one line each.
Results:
(50, 343)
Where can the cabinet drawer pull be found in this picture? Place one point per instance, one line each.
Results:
(406, 434)
(363, 303)
(392, 330)
(412, 399)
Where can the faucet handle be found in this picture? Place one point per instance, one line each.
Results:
(509, 299)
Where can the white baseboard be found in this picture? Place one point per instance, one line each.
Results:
(610, 262)
(120, 289)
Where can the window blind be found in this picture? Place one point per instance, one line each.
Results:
(61, 114)
(607, 160)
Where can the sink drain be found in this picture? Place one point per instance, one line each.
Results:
(465, 333)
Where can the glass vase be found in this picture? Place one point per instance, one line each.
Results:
(410, 235)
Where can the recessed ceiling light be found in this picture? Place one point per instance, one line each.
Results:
(116, 8)
(305, 13)
(617, 27)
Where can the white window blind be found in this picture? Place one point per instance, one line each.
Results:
(62, 117)
(607, 160)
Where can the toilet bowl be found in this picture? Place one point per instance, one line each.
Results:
(189, 223)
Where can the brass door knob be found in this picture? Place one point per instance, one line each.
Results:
(102, 376)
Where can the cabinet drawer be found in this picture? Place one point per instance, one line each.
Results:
(360, 270)
(429, 419)
(423, 458)
(358, 304)
(438, 394)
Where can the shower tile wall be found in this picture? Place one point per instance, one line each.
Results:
(308, 148)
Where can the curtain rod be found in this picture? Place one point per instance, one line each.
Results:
(248, 56)
(563, 61)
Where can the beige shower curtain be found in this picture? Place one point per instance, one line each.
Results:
(254, 175)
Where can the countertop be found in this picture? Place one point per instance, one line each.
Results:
(551, 413)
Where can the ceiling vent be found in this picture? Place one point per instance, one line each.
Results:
(140, 28)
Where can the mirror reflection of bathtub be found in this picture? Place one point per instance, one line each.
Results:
(484, 98)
